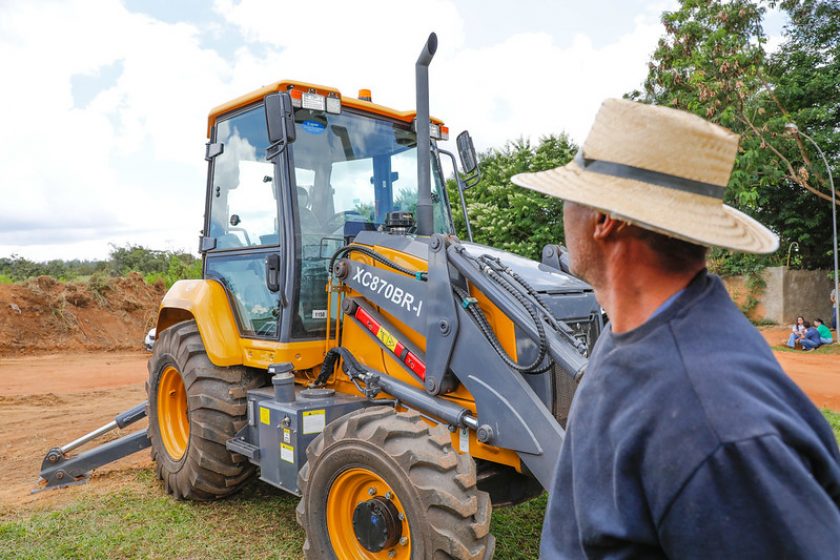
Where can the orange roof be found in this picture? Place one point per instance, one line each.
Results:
(259, 94)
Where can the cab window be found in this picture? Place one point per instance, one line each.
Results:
(243, 201)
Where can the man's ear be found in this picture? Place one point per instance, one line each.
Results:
(606, 226)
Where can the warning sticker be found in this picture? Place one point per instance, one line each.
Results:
(287, 453)
(287, 435)
(265, 415)
(464, 440)
(389, 341)
(314, 421)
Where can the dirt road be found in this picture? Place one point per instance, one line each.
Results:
(48, 400)
(817, 373)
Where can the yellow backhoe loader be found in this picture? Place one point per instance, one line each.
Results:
(344, 345)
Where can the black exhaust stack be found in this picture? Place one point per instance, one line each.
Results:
(425, 215)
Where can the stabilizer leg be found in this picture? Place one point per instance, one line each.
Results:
(58, 470)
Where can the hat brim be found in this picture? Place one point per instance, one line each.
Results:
(698, 219)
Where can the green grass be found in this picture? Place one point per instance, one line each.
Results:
(833, 348)
(833, 421)
(256, 523)
(517, 529)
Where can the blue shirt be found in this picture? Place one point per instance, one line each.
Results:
(813, 335)
(687, 440)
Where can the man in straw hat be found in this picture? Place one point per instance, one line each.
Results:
(686, 439)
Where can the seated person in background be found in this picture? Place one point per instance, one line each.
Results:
(825, 334)
(797, 331)
(811, 338)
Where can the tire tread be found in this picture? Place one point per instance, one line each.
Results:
(457, 514)
(217, 405)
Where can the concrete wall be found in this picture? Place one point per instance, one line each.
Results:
(788, 293)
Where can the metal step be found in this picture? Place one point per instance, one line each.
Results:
(239, 445)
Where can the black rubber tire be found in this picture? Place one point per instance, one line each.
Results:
(448, 516)
(216, 409)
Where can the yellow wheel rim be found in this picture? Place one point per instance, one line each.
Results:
(351, 488)
(172, 413)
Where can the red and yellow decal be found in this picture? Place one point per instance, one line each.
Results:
(390, 342)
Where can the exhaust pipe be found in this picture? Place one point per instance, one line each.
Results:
(425, 214)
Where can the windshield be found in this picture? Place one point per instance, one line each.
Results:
(352, 170)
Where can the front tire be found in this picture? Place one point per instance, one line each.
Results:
(194, 408)
(384, 485)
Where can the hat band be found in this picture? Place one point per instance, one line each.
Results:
(623, 171)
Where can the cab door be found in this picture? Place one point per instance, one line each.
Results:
(242, 241)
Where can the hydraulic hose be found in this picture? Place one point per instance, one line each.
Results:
(375, 382)
(377, 257)
(351, 366)
(484, 326)
(555, 323)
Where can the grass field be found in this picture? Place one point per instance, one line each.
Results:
(257, 523)
(824, 349)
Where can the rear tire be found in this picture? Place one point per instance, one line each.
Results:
(194, 408)
(376, 454)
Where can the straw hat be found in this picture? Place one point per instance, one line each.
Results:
(660, 169)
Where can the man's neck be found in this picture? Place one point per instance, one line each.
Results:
(632, 291)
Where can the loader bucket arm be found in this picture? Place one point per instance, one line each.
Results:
(59, 470)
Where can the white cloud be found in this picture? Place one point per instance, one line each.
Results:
(128, 166)
(111, 171)
(524, 86)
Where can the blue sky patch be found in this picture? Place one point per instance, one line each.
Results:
(85, 87)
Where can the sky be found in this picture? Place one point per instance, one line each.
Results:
(106, 101)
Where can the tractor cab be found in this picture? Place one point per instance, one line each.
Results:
(352, 167)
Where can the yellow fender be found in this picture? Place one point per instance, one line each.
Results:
(206, 302)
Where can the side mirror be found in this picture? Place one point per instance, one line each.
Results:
(280, 118)
(466, 151)
(557, 257)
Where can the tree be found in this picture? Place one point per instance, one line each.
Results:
(168, 266)
(712, 62)
(509, 217)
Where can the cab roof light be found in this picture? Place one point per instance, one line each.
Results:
(333, 103)
(315, 101)
(296, 96)
(436, 131)
(365, 95)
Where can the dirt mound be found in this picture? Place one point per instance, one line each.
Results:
(45, 315)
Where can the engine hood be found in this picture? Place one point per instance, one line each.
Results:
(541, 277)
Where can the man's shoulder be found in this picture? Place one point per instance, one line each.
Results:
(742, 390)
